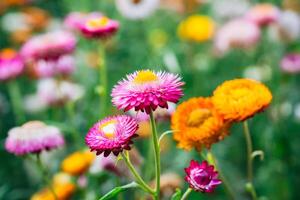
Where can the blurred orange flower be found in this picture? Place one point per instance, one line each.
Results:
(37, 18)
(239, 99)
(196, 124)
(77, 163)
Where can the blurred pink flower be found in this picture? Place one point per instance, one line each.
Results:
(11, 64)
(50, 45)
(291, 63)
(33, 137)
(75, 20)
(263, 14)
(238, 33)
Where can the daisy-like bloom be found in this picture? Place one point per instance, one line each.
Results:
(197, 28)
(196, 124)
(137, 9)
(263, 14)
(147, 90)
(238, 33)
(49, 45)
(239, 99)
(291, 63)
(11, 65)
(202, 177)
(33, 137)
(112, 134)
(55, 92)
(63, 187)
(99, 27)
(77, 163)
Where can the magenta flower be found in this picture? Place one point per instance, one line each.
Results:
(33, 137)
(99, 27)
(112, 134)
(146, 90)
(291, 63)
(202, 177)
(11, 65)
(50, 45)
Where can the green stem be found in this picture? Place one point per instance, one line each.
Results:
(103, 80)
(156, 154)
(71, 114)
(138, 178)
(16, 100)
(250, 186)
(45, 176)
(226, 184)
(186, 194)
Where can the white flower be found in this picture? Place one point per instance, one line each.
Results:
(33, 103)
(259, 73)
(225, 9)
(14, 21)
(137, 9)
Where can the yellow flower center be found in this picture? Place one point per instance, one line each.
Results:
(98, 23)
(198, 117)
(145, 76)
(109, 129)
(7, 53)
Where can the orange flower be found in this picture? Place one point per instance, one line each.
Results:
(196, 124)
(77, 163)
(239, 99)
(62, 186)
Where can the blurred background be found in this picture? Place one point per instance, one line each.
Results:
(226, 39)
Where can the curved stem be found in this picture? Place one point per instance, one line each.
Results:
(16, 100)
(226, 184)
(186, 194)
(46, 176)
(247, 135)
(138, 178)
(163, 135)
(156, 154)
(103, 80)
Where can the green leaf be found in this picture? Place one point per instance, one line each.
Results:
(114, 192)
(177, 195)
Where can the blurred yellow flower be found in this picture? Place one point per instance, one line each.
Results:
(196, 124)
(77, 163)
(239, 99)
(62, 186)
(197, 28)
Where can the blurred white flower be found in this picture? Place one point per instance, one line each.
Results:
(226, 9)
(137, 9)
(14, 21)
(259, 73)
(33, 103)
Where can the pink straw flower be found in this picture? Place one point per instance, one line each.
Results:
(112, 134)
(33, 137)
(291, 63)
(49, 46)
(146, 90)
(11, 65)
(263, 14)
(202, 177)
(99, 27)
(75, 20)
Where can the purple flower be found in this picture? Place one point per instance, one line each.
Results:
(202, 177)
(99, 27)
(50, 45)
(147, 90)
(33, 137)
(112, 134)
(291, 63)
(11, 65)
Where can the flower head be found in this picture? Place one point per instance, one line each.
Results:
(291, 63)
(112, 134)
(263, 14)
(197, 28)
(146, 90)
(49, 46)
(77, 163)
(33, 137)
(99, 27)
(202, 177)
(11, 65)
(196, 124)
(137, 9)
(239, 99)
(75, 20)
